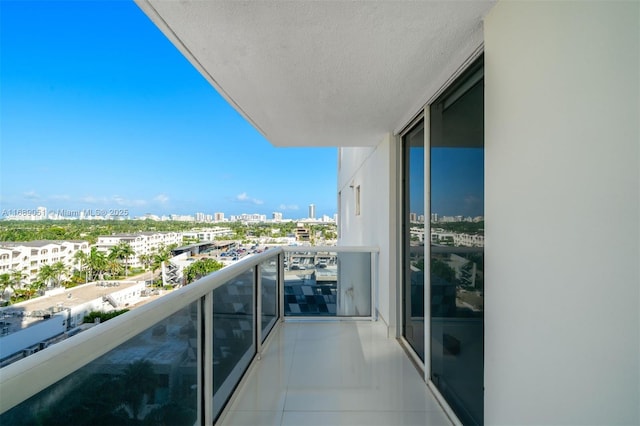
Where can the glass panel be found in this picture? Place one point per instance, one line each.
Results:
(233, 335)
(327, 284)
(457, 241)
(269, 282)
(413, 239)
(150, 379)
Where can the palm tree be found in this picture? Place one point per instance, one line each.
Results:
(5, 281)
(82, 258)
(97, 263)
(122, 252)
(113, 267)
(58, 271)
(145, 259)
(45, 275)
(160, 260)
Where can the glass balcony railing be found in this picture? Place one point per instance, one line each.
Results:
(177, 360)
(320, 281)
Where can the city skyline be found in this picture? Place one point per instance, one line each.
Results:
(44, 213)
(96, 116)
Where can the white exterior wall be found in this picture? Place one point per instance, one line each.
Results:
(562, 343)
(29, 259)
(142, 244)
(375, 226)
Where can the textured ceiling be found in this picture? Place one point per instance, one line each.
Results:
(321, 73)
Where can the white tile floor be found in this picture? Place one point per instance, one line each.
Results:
(334, 373)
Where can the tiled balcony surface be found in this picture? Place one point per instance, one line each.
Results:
(334, 373)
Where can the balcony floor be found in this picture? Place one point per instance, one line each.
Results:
(334, 373)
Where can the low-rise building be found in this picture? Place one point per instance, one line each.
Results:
(142, 243)
(28, 257)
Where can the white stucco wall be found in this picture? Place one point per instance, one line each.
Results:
(371, 168)
(562, 343)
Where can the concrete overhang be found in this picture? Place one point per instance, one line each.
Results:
(324, 73)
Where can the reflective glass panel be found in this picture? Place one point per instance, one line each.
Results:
(327, 284)
(413, 238)
(457, 245)
(149, 380)
(269, 282)
(233, 335)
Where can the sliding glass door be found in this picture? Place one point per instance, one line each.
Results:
(443, 224)
(413, 220)
(457, 244)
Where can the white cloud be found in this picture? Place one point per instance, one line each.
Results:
(288, 207)
(62, 197)
(115, 200)
(93, 200)
(161, 198)
(244, 198)
(31, 195)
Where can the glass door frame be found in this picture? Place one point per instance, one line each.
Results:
(403, 244)
(424, 116)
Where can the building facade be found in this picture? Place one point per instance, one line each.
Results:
(29, 257)
(142, 243)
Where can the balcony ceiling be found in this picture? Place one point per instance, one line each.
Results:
(323, 73)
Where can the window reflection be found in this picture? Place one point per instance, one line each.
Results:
(413, 229)
(457, 245)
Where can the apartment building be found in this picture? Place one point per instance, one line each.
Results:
(29, 257)
(142, 243)
(207, 234)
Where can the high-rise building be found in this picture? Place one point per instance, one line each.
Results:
(218, 217)
(276, 216)
(312, 211)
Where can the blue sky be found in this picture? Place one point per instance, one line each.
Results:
(458, 181)
(99, 110)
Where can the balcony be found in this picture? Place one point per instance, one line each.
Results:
(283, 337)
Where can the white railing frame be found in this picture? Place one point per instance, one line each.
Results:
(37, 372)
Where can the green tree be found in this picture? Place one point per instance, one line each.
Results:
(145, 259)
(97, 263)
(81, 258)
(113, 268)
(160, 258)
(45, 275)
(52, 275)
(59, 271)
(5, 282)
(122, 252)
(200, 268)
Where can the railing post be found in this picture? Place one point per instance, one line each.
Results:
(374, 285)
(281, 286)
(206, 355)
(258, 304)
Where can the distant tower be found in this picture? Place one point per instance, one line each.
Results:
(312, 211)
